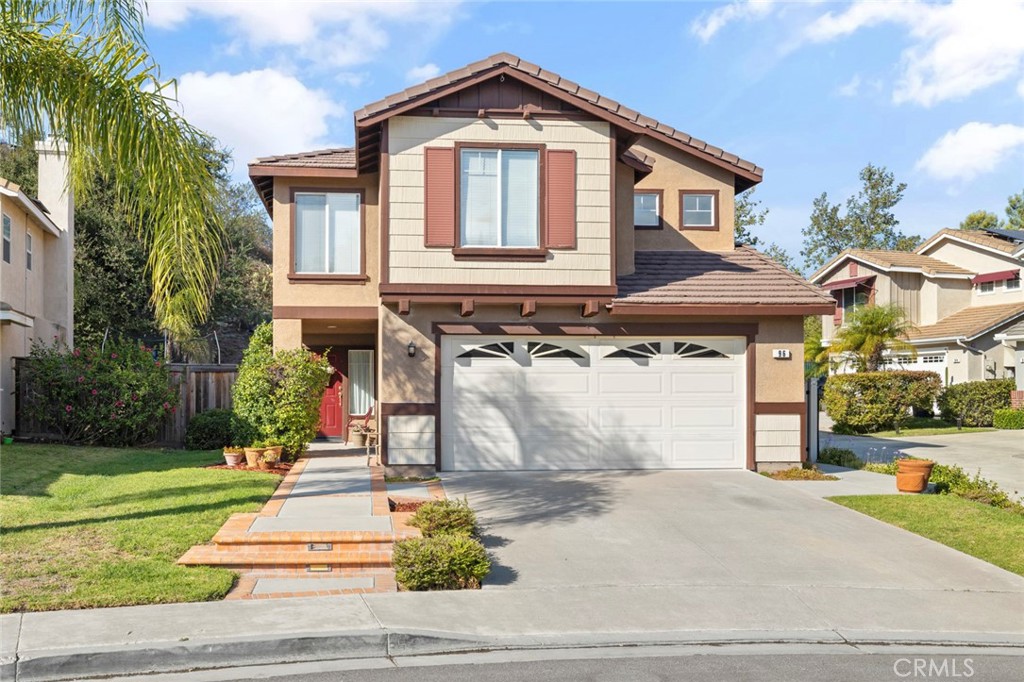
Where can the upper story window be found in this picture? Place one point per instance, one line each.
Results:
(499, 192)
(28, 251)
(986, 287)
(647, 209)
(328, 233)
(7, 238)
(698, 209)
(1013, 284)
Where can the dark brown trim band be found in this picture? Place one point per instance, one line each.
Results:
(747, 330)
(384, 206)
(780, 408)
(315, 312)
(501, 254)
(751, 395)
(408, 409)
(328, 279)
(725, 309)
(520, 290)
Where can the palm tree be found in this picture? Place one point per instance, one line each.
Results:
(79, 71)
(868, 332)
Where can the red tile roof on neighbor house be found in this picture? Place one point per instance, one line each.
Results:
(972, 236)
(968, 323)
(743, 277)
(574, 93)
(339, 157)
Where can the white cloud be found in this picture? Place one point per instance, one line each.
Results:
(336, 34)
(971, 150)
(956, 48)
(257, 113)
(422, 73)
(850, 88)
(710, 23)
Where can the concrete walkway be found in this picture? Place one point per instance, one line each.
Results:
(851, 482)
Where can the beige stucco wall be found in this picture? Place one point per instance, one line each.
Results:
(288, 293)
(974, 258)
(625, 235)
(675, 170)
(412, 262)
(780, 381)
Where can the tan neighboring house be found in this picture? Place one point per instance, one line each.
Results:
(36, 269)
(962, 291)
(510, 271)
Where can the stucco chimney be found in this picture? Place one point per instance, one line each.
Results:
(56, 195)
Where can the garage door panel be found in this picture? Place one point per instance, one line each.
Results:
(697, 383)
(705, 451)
(721, 416)
(641, 417)
(491, 381)
(558, 453)
(555, 416)
(558, 381)
(611, 384)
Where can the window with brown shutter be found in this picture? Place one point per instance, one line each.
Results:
(560, 194)
(439, 196)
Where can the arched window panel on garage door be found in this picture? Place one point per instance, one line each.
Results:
(685, 349)
(543, 349)
(649, 349)
(503, 349)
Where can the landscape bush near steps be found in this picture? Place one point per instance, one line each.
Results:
(448, 556)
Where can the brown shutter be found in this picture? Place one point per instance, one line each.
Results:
(560, 197)
(439, 196)
(853, 269)
(837, 316)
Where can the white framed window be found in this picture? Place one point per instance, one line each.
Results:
(28, 250)
(647, 209)
(499, 198)
(7, 238)
(1013, 284)
(360, 381)
(699, 209)
(986, 287)
(328, 233)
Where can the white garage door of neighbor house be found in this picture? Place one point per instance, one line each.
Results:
(592, 403)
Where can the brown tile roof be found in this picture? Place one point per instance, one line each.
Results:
(969, 323)
(906, 259)
(574, 90)
(980, 238)
(339, 157)
(740, 277)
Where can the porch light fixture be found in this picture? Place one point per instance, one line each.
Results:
(411, 348)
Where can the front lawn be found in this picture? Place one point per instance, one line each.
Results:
(89, 527)
(988, 533)
(927, 426)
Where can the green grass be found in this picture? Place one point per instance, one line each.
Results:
(927, 426)
(90, 527)
(988, 533)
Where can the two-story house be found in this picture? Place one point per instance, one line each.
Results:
(511, 271)
(960, 289)
(36, 269)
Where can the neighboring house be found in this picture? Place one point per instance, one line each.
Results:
(961, 290)
(36, 269)
(515, 272)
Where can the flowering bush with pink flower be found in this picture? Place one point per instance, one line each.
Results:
(115, 396)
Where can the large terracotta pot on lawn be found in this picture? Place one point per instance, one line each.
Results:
(912, 475)
(252, 457)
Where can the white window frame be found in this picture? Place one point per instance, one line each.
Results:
(714, 210)
(1016, 284)
(28, 250)
(657, 209)
(991, 289)
(371, 389)
(328, 232)
(7, 242)
(500, 227)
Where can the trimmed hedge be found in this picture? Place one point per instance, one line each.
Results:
(872, 401)
(975, 401)
(211, 430)
(442, 562)
(1008, 419)
(445, 517)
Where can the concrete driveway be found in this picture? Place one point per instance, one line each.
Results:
(998, 455)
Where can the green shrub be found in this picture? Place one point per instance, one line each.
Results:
(975, 402)
(443, 562)
(117, 395)
(871, 401)
(840, 457)
(277, 395)
(1008, 419)
(950, 479)
(445, 517)
(211, 430)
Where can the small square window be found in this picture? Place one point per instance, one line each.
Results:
(1013, 284)
(647, 209)
(699, 209)
(987, 287)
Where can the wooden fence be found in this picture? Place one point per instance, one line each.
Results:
(200, 388)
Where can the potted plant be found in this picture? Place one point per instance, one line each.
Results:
(357, 435)
(233, 455)
(912, 474)
(266, 460)
(274, 452)
(253, 454)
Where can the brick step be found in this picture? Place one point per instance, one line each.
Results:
(303, 538)
(250, 557)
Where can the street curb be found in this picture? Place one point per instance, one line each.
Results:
(53, 665)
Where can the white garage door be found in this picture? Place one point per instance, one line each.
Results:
(592, 403)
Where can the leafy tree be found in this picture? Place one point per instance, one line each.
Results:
(782, 257)
(980, 220)
(748, 213)
(1015, 211)
(79, 70)
(868, 332)
(815, 362)
(868, 222)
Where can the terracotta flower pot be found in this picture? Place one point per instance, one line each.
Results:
(912, 475)
(274, 452)
(233, 459)
(252, 457)
(357, 438)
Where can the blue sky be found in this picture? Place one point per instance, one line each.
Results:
(811, 91)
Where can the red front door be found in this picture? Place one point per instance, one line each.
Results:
(332, 408)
